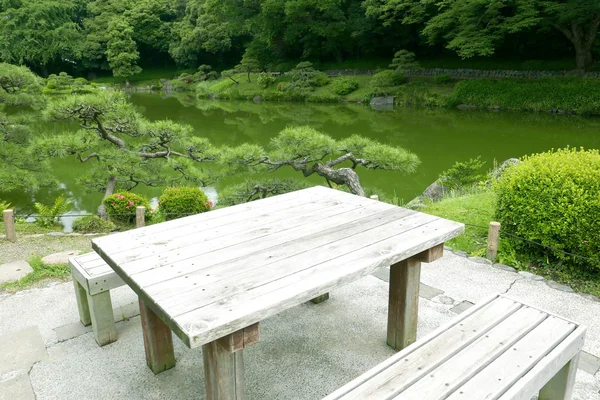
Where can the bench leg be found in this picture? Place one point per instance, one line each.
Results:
(103, 320)
(403, 308)
(158, 341)
(320, 299)
(561, 386)
(223, 372)
(82, 303)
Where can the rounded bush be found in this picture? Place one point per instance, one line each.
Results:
(92, 224)
(121, 206)
(265, 80)
(553, 198)
(177, 202)
(386, 78)
(344, 85)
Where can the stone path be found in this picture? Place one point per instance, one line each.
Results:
(304, 353)
(14, 271)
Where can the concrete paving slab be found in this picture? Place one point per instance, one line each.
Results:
(589, 363)
(18, 388)
(14, 271)
(304, 353)
(70, 331)
(20, 350)
(49, 308)
(461, 307)
(428, 292)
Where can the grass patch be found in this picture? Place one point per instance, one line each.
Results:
(40, 272)
(474, 208)
(29, 228)
(148, 76)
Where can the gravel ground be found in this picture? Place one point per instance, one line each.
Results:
(26, 247)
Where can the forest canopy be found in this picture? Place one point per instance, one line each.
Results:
(124, 36)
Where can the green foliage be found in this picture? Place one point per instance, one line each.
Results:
(255, 189)
(344, 85)
(306, 76)
(122, 54)
(48, 215)
(248, 65)
(19, 86)
(4, 205)
(64, 83)
(552, 198)
(178, 202)
(92, 224)
(463, 174)
(473, 208)
(386, 78)
(403, 61)
(442, 79)
(121, 207)
(567, 94)
(265, 80)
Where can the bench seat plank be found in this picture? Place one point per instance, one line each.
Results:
(491, 351)
(506, 370)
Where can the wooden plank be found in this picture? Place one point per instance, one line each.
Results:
(262, 253)
(191, 291)
(560, 387)
(445, 379)
(430, 255)
(209, 220)
(188, 241)
(158, 341)
(420, 362)
(241, 339)
(82, 304)
(79, 274)
(223, 373)
(403, 304)
(101, 314)
(106, 282)
(494, 380)
(389, 362)
(547, 367)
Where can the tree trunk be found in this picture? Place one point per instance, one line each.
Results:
(342, 176)
(111, 184)
(584, 59)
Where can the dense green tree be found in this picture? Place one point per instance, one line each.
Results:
(404, 60)
(37, 32)
(474, 27)
(124, 149)
(248, 65)
(121, 53)
(19, 86)
(310, 152)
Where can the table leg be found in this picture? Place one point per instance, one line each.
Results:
(403, 308)
(158, 341)
(561, 386)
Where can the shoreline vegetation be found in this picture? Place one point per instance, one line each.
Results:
(561, 95)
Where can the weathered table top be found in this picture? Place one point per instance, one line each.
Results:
(212, 274)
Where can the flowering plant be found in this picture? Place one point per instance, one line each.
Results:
(121, 206)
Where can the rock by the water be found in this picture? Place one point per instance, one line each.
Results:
(497, 173)
(59, 258)
(382, 103)
(256, 99)
(466, 107)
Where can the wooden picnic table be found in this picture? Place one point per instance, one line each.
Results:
(212, 277)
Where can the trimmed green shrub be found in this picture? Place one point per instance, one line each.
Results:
(92, 224)
(386, 78)
(177, 202)
(344, 85)
(553, 198)
(265, 80)
(121, 206)
(442, 79)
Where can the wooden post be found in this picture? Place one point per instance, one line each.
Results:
(403, 311)
(9, 225)
(375, 197)
(140, 217)
(224, 364)
(561, 385)
(158, 341)
(492, 247)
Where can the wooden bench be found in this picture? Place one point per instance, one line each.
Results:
(93, 280)
(498, 349)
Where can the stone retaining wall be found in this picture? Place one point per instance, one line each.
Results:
(470, 73)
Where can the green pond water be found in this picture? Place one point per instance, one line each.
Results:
(438, 137)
